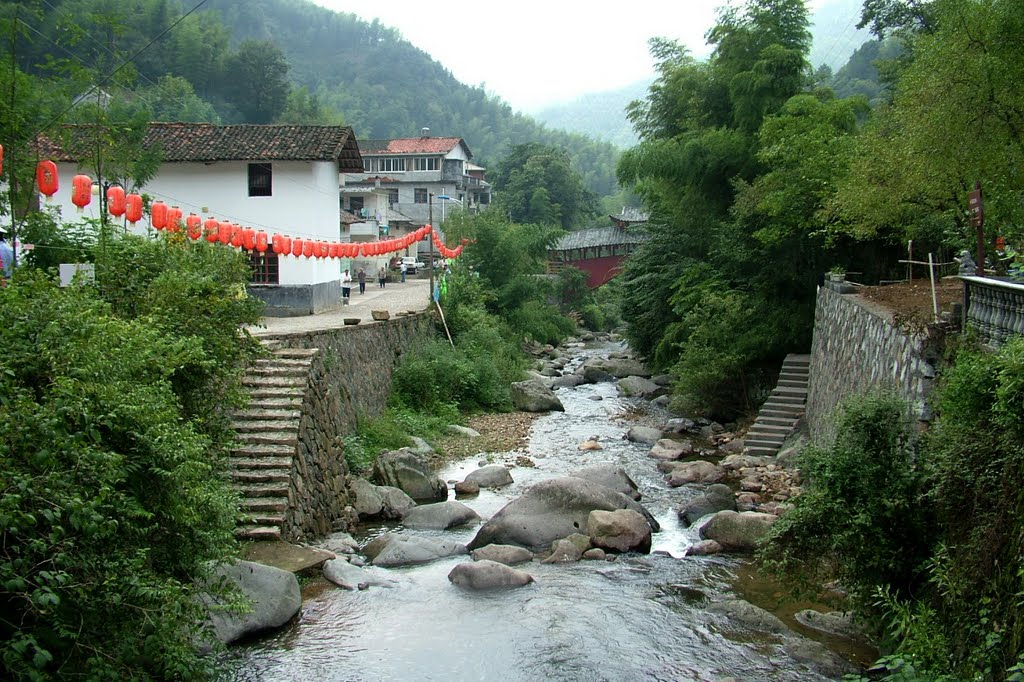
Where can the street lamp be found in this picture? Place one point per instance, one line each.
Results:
(444, 198)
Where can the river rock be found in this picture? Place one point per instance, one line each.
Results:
(662, 379)
(610, 475)
(590, 445)
(395, 502)
(509, 555)
(738, 531)
(404, 470)
(703, 548)
(639, 387)
(617, 367)
(698, 471)
(681, 425)
(734, 462)
(396, 549)
(487, 575)
(818, 657)
(440, 516)
(350, 577)
(595, 375)
(662, 401)
(622, 530)
(595, 554)
(551, 510)
(340, 543)
(716, 498)
(534, 396)
(420, 447)
(467, 488)
(568, 381)
(644, 434)
(836, 623)
(565, 551)
(273, 592)
(749, 615)
(669, 450)
(367, 501)
(465, 431)
(492, 476)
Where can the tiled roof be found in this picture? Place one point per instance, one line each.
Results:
(349, 218)
(631, 214)
(412, 145)
(598, 236)
(205, 142)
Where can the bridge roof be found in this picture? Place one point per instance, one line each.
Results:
(598, 236)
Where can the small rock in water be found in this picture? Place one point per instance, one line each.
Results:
(703, 548)
(467, 488)
(591, 444)
(486, 575)
(596, 397)
(595, 554)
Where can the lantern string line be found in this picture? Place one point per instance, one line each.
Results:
(123, 64)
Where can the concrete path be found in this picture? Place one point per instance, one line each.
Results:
(395, 297)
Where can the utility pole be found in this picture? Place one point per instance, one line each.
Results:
(430, 240)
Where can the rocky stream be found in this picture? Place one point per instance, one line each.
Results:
(675, 605)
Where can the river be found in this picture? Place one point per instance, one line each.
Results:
(640, 617)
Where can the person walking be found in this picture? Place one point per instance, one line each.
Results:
(6, 258)
(346, 286)
(382, 276)
(404, 267)
(362, 280)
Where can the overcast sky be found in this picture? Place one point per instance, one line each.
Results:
(533, 53)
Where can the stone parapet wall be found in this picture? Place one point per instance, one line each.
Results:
(857, 349)
(350, 378)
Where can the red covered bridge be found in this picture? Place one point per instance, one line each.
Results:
(598, 251)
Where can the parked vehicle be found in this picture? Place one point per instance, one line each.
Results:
(411, 264)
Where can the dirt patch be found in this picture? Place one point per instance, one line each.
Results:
(912, 301)
(499, 432)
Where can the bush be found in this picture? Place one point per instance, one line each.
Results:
(112, 502)
(860, 518)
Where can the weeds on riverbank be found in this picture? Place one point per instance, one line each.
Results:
(930, 542)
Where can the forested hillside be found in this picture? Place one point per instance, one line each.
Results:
(601, 115)
(265, 61)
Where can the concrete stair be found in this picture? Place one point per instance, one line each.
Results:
(267, 433)
(779, 415)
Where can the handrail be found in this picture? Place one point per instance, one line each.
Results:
(993, 308)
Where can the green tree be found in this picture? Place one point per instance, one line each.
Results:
(537, 183)
(255, 81)
(174, 99)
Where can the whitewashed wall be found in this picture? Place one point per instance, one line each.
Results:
(304, 203)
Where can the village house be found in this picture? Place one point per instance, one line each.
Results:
(277, 178)
(411, 170)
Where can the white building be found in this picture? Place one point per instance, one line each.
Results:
(277, 178)
(411, 170)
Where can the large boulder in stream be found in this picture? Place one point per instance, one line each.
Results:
(610, 475)
(410, 473)
(535, 396)
(614, 367)
(639, 387)
(551, 510)
(440, 516)
(487, 575)
(503, 554)
(491, 476)
(622, 530)
(396, 549)
(718, 497)
(379, 501)
(738, 531)
(273, 593)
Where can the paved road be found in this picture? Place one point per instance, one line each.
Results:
(395, 297)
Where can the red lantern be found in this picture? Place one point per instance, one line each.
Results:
(325, 249)
(224, 232)
(116, 201)
(194, 226)
(81, 191)
(174, 219)
(249, 239)
(307, 248)
(133, 208)
(158, 215)
(297, 247)
(46, 178)
(211, 227)
(237, 235)
(286, 244)
(275, 243)
(261, 241)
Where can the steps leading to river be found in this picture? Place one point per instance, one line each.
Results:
(778, 417)
(267, 433)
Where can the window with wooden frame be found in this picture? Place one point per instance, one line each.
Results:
(264, 267)
(260, 180)
(420, 195)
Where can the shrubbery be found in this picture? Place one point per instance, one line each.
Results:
(113, 498)
(930, 542)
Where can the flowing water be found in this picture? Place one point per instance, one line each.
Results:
(640, 617)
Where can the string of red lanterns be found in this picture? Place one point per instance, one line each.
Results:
(169, 218)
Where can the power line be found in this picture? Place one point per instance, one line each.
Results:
(123, 64)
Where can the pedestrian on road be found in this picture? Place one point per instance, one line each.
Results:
(382, 276)
(346, 286)
(6, 258)
(362, 281)
(403, 268)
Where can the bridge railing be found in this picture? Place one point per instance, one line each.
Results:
(993, 308)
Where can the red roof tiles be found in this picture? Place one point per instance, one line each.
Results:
(412, 145)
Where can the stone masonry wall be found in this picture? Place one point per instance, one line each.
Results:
(350, 378)
(856, 349)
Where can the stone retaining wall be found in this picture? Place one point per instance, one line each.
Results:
(350, 378)
(856, 349)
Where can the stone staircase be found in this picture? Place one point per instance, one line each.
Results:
(778, 417)
(267, 433)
